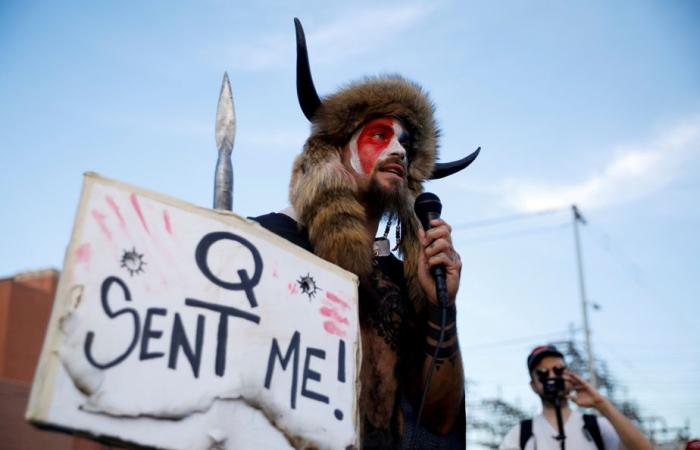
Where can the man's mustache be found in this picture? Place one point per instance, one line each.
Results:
(391, 160)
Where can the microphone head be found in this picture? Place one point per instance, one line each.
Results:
(427, 207)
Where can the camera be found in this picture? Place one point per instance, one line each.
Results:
(554, 387)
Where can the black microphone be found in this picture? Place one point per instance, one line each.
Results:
(428, 207)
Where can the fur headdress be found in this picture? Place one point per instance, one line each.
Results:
(322, 191)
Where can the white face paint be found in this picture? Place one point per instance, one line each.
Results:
(376, 141)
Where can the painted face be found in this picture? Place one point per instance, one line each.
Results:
(376, 141)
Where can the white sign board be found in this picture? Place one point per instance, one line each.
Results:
(181, 327)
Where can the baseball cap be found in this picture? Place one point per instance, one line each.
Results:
(540, 352)
(693, 444)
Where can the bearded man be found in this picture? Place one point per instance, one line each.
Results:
(372, 145)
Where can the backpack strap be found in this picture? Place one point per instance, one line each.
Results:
(590, 424)
(525, 432)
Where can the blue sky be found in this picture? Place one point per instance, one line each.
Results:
(593, 103)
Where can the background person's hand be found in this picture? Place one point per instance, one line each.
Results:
(584, 394)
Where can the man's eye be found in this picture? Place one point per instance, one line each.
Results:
(379, 136)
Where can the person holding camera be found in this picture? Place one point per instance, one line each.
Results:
(559, 427)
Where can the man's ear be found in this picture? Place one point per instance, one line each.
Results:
(532, 385)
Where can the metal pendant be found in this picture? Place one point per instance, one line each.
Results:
(381, 247)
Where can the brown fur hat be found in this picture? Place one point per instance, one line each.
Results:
(323, 192)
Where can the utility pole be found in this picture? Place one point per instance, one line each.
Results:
(578, 218)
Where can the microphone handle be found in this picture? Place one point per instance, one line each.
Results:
(438, 272)
(441, 286)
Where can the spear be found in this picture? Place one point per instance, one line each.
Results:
(225, 135)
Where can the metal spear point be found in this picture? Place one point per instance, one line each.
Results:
(225, 135)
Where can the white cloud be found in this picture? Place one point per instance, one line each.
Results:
(635, 171)
(332, 42)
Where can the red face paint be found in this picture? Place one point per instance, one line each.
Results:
(376, 141)
(373, 140)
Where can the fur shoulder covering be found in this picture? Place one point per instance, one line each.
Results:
(323, 194)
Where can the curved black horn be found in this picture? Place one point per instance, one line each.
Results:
(443, 170)
(306, 92)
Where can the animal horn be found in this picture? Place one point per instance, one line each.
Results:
(443, 170)
(306, 92)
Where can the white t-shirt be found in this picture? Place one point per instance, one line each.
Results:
(544, 435)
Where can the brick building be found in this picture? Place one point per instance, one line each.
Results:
(25, 306)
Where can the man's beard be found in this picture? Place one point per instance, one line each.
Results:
(388, 199)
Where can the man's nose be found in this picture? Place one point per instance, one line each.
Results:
(397, 150)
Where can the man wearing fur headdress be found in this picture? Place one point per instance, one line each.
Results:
(372, 145)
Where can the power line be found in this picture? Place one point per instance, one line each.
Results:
(650, 293)
(508, 218)
(513, 341)
(515, 234)
(605, 241)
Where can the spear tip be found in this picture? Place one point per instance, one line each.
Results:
(225, 117)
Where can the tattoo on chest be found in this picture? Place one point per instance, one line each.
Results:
(387, 312)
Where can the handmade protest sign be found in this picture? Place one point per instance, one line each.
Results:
(180, 327)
